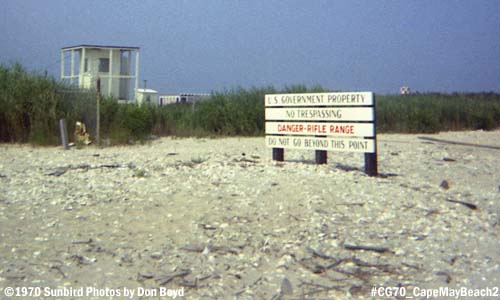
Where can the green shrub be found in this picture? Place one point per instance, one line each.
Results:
(137, 120)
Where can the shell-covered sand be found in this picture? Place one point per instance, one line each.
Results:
(223, 220)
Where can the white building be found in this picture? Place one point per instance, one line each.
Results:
(81, 65)
(146, 96)
(181, 98)
(404, 90)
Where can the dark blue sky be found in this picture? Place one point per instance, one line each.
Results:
(200, 46)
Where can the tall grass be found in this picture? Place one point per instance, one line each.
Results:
(231, 112)
(21, 106)
(31, 105)
(432, 112)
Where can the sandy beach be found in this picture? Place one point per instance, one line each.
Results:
(219, 219)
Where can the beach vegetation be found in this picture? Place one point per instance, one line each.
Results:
(31, 104)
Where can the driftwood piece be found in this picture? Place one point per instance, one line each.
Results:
(87, 241)
(189, 284)
(366, 248)
(172, 276)
(241, 291)
(253, 161)
(207, 226)
(411, 266)
(59, 270)
(295, 217)
(193, 248)
(82, 260)
(458, 143)
(58, 172)
(364, 270)
(61, 170)
(141, 276)
(112, 166)
(318, 253)
(350, 204)
(211, 248)
(13, 276)
(469, 205)
(319, 288)
(383, 267)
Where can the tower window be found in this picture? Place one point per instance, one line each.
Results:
(104, 65)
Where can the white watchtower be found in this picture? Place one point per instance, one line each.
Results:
(112, 64)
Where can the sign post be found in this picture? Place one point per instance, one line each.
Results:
(278, 154)
(321, 157)
(64, 133)
(371, 165)
(323, 122)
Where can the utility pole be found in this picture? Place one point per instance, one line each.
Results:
(98, 113)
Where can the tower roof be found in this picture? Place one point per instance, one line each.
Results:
(100, 47)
